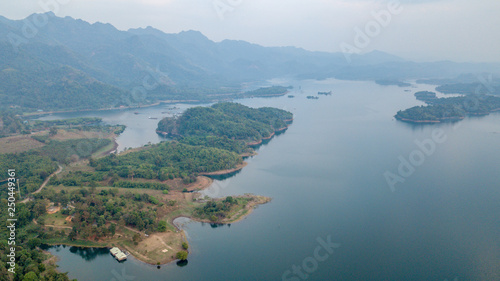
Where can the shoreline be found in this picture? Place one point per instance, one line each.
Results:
(114, 108)
(236, 217)
(31, 114)
(202, 183)
(241, 214)
(239, 167)
(441, 120)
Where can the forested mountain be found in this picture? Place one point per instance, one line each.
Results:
(67, 63)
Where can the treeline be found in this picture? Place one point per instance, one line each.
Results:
(231, 120)
(80, 178)
(268, 91)
(67, 122)
(32, 168)
(94, 124)
(224, 142)
(142, 185)
(10, 124)
(388, 82)
(454, 108)
(167, 160)
(492, 88)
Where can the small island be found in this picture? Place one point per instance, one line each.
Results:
(389, 82)
(273, 91)
(325, 93)
(451, 109)
(426, 96)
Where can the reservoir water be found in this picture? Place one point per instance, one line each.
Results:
(333, 215)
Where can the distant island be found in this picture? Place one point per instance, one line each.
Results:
(448, 109)
(325, 93)
(425, 96)
(392, 83)
(273, 91)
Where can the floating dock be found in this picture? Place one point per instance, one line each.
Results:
(118, 254)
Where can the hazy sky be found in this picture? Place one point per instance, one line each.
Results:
(459, 30)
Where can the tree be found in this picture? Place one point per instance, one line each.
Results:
(112, 229)
(39, 209)
(72, 235)
(136, 238)
(182, 255)
(185, 245)
(30, 276)
(229, 200)
(162, 226)
(33, 243)
(53, 131)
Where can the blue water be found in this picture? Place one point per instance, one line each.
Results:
(326, 178)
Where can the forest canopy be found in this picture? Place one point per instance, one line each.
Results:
(454, 108)
(231, 120)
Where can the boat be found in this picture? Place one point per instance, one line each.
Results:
(118, 254)
(312, 97)
(136, 113)
(152, 118)
(325, 93)
(291, 96)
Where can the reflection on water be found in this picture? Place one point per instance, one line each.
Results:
(88, 254)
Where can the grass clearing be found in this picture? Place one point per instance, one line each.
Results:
(19, 143)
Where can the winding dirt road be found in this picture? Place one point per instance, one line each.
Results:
(44, 183)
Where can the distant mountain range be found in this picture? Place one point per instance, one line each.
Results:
(69, 64)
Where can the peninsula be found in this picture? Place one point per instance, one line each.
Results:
(97, 198)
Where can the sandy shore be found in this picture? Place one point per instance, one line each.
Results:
(201, 183)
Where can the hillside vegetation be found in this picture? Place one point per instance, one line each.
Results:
(449, 109)
(231, 120)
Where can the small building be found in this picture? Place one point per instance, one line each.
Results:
(118, 254)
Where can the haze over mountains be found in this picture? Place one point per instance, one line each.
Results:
(71, 64)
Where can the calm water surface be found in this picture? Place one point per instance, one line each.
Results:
(326, 178)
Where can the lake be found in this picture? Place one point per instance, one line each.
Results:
(334, 216)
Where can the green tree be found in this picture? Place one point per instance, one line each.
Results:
(162, 226)
(136, 237)
(33, 243)
(72, 235)
(53, 131)
(31, 276)
(185, 245)
(112, 229)
(182, 255)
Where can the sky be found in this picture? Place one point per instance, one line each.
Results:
(419, 30)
